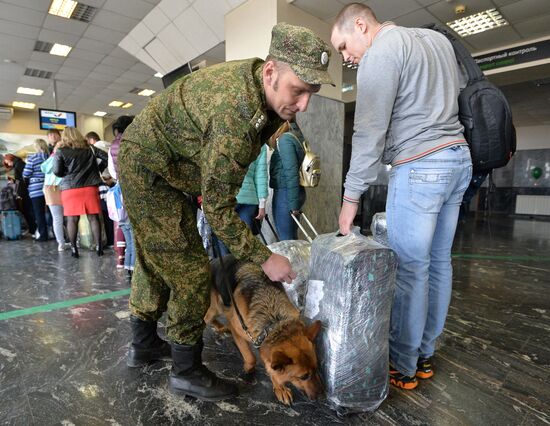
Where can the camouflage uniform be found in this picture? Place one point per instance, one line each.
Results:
(197, 137)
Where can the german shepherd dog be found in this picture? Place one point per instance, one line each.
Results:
(286, 347)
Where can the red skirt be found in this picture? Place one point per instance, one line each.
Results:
(80, 201)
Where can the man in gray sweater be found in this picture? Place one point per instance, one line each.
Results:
(407, 116)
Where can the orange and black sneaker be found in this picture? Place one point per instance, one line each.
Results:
(401, 381)
(424, 368)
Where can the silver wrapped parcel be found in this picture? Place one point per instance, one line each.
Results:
(350, 290)
(298, 253)
(379, 228)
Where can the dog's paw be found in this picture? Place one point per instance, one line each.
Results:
(283, 394)
(249, 377)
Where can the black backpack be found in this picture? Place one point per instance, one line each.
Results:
(484, 112)
(7, 198)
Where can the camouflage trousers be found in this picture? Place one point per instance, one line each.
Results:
(172, 270)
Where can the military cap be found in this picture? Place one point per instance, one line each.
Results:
(299, 47)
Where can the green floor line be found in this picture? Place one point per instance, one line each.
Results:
(64, 304)
(495, 257)
(125, 292)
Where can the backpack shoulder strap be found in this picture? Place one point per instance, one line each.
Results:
(461, 53)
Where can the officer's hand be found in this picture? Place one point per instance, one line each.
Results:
(261, 214)
(347, 214)
(277, 268)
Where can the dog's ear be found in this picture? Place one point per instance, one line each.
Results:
(279, 360)
(312, 331)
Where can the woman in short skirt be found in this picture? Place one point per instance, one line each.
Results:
(79, 166)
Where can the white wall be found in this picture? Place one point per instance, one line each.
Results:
(90, 123)
(248, 29)
(533, 137)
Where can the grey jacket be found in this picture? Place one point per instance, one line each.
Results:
(408, 84)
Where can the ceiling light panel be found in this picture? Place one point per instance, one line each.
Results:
(127, 105)
(29, 91)
(63, 8)
(478, 23)
(158, 75)
(26, 105)
(116, 103)
(100, 113)
(146, 92)
(60, 50)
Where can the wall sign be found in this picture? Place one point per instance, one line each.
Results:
(515, 55)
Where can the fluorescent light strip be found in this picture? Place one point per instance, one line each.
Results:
(478, 23)
(100, 113)
(127, 105)
(60, 50)
(158, 75)
(29, 91)
(26, 105)
(116, 103)
(63, 8)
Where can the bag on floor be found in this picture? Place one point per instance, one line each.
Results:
(11, 225)
(85, 233)
(484, 112)
(350, 290)
(115, 204)
(7, 197)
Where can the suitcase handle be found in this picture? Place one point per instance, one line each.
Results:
(302, 228)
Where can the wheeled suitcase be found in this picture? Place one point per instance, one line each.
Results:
(350, 290)
(11, 225)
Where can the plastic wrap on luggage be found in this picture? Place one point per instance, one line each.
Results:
(350, 290)
(379, 228)
(298, 253)
(204, 230)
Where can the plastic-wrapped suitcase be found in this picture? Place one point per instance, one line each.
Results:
(350, 290)
(298, 253)
(379, 228)
(11, 225)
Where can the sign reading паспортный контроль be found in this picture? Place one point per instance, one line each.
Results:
(515, 55)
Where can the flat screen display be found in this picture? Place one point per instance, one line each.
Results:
(53, 119)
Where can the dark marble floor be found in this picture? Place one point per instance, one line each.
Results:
(67, 367)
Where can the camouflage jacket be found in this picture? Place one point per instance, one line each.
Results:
(201, 134)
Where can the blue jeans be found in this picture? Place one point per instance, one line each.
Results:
(130, 253)
(422, 208)
(284, 224)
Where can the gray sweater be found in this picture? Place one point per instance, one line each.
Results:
(407, 92)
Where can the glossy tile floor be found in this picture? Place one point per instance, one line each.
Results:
(67, 366)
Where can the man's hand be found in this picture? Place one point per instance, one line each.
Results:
(261, 214)
(277, 268)
(347, 214)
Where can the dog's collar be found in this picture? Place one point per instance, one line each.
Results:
(258, 341)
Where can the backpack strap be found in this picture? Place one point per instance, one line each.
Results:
(462, 54)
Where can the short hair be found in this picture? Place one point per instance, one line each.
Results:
(121, 123)
(41, 146)
(72, 138)
(53, 132)
(346, 18)
(92, 135)
(8, 157)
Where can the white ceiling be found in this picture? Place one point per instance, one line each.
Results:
(163, 35)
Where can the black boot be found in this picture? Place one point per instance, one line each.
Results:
(190, 377)
(146, 345)
(99, 250)
(74, 251)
